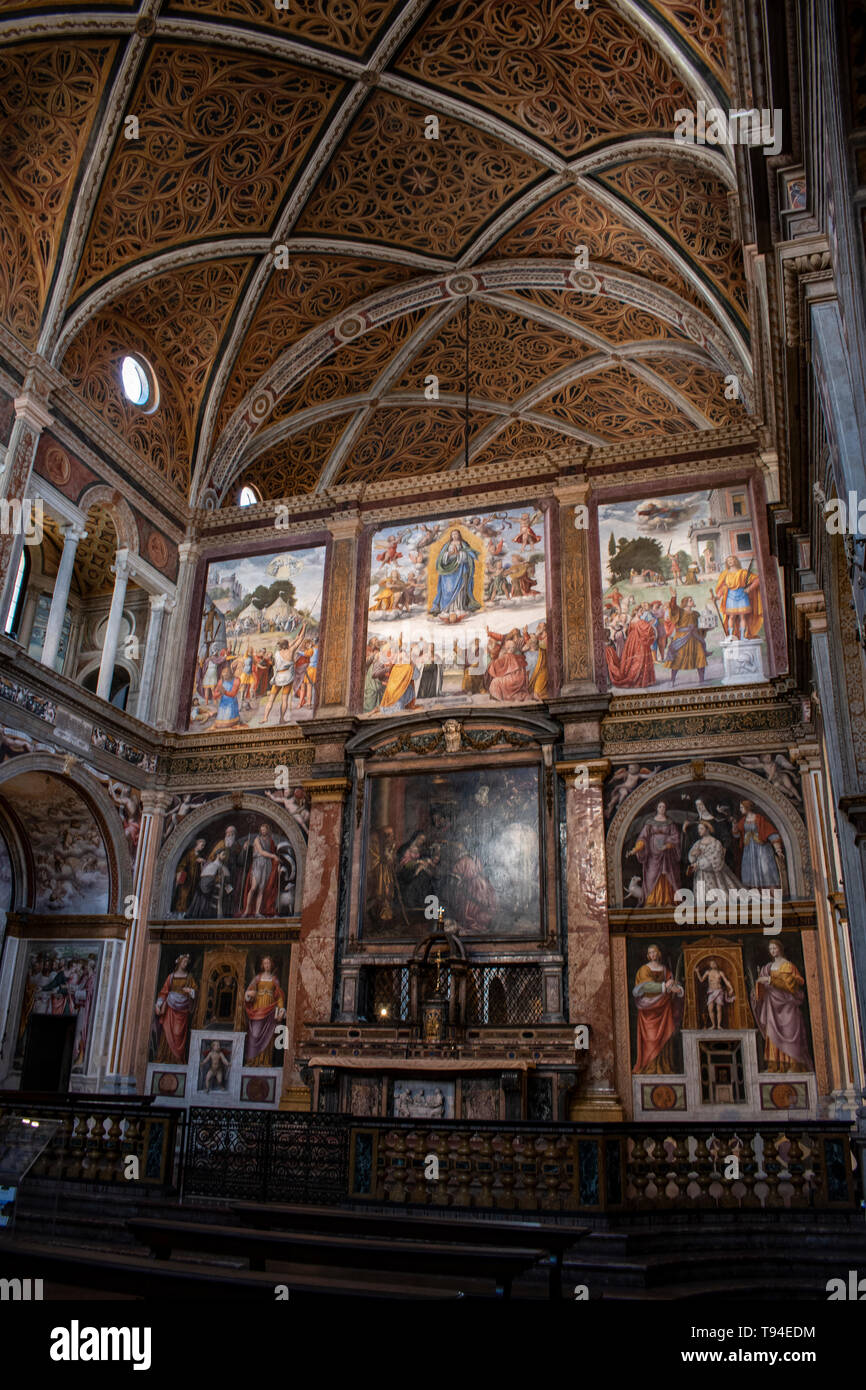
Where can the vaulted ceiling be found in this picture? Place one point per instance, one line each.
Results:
(411, 157)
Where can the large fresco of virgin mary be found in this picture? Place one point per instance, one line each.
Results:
(457, 613)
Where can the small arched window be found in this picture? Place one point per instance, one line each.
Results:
(248, 497)
(139, 382)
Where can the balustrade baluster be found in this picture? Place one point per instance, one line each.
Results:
(796, 1169)
(484, 1168)
(748, 1174)
(463, 1197)
(110, 1165)
(704, 1171)
(682, 1167)
(772, 1168)
(506, 1171)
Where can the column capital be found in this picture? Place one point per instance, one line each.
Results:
(597, 769)
(572, 491)
(810, 613)
(33, 409)
(73, 532)
(155, 803)
(345, 527)
(807, 756)
(188, 552)
(335, 789)
(162, 603)
(123, 567)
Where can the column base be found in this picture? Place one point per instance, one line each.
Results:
(597, 1108)
(297, 1098)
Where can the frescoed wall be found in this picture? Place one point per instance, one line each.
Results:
(238, 865)
(682, 600)
(216, 1020)
(704, 834)
(258, 647)
(61, 979)
(457, 613)
(468, 840)
(70, 864)
(741, 983)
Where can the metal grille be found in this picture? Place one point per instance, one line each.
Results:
(504, 995)
(387, 994)
(266, 1156)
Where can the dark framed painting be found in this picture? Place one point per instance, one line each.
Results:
(468, 842)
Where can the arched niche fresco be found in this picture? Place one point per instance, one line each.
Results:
(68, 866)
(747, 836)
(232, 863)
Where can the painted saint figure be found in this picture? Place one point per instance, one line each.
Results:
(263, 878)
(658, 849)
(707, 862)
(761, 848)
(265, 1007)
(777, 1003)
(720, 992)
(634, 669)
(688, 649)
(659, 1001)
(455, 565)
(739, 595)
(173, 1008)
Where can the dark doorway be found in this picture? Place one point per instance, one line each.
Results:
(48, 1053)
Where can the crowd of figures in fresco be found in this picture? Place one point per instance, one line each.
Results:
(680, 583)
(240, 865)
(705, 835)
(61, 980)
(258, 650)
(457, 613)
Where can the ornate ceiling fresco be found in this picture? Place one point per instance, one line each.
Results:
(407, 153)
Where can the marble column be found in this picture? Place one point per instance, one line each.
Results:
(590, 991)
(164, 702)
(840, 1034)
(578, 645)
(121, 569)
(31, 418)
(160, 604)
(123, 1062)
(335, 660)
(60, 598)
(316, 948)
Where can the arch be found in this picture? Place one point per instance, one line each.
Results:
(773, 803)
(101, 807)
(100, 495)
(197, 820)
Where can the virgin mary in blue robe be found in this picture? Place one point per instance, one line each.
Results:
(455, 565)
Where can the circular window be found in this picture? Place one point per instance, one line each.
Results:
(247, 497)
(139, 383)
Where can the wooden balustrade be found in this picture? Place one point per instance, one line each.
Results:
(96, 1135)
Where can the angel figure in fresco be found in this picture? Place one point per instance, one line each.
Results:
(659, 1001)
(624, 781)
(777, 1001)
(526, 536)
(739, 594)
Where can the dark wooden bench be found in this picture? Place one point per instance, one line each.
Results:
(554, 1239)
(346, 1251)
(138, 1277)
